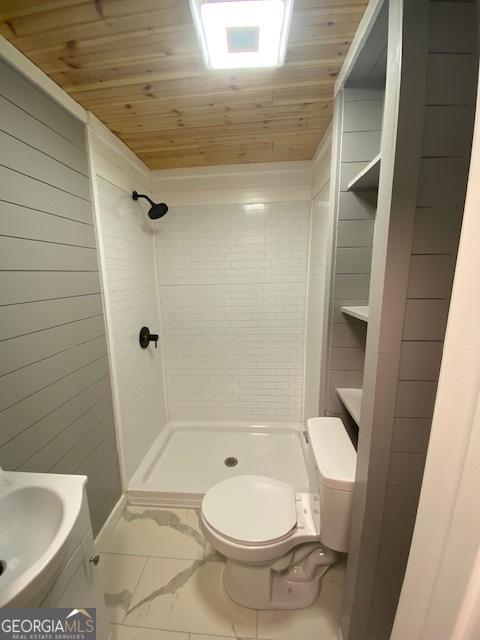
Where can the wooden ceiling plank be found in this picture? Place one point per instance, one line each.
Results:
(179, 163)
(88, 12)
(136, 64)
(56, 19)
(178, 37)
(166, 71)
(127, 59)
(322, 12)
(117, 8)
(145, 48)
(70, 72)
(177, 40)
(308, 94)
(157, 124)
(218, 100)
(219, 130)
(202, 109)
(304, 51)
(207, 84)
(162, 18)
(11, 9)
(155, 69)
(157, 127)
(179, 107)
(286, 140)
(112, 58)
(323, 21)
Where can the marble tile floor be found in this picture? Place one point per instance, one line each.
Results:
(162, 581)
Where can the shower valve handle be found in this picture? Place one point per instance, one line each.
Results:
(146, 337)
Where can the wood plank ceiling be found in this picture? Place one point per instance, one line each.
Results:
(136, 64)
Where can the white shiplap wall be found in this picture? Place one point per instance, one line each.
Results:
(127, 248)
(232, 283)
(318, 278)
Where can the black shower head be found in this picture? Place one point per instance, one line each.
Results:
(157, 210)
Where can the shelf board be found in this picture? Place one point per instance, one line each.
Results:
(356, 312)
(352, 399)
(367, 179)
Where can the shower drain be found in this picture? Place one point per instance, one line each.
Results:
(230, 461)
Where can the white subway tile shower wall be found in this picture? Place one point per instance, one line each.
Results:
(232, 282)
(130, 275)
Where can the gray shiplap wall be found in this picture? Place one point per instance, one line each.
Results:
(56, 410)
(361, 131)
(447, 136)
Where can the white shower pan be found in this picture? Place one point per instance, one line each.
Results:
(188, 458)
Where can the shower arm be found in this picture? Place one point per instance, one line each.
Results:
(136, 196)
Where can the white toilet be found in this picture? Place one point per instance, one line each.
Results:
(279, 543)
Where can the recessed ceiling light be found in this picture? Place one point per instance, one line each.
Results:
(253, 207)
(241, 34)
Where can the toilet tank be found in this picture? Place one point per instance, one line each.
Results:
(335, 461)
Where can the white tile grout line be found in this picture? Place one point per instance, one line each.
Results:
(136, 584)
(142, 555)
(191, 634)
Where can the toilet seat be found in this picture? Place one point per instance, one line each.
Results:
(305, 529)
(251, 510)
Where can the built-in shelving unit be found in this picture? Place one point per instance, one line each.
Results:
(358, 143)
(362, 104)
(381, 187)
(361, 313)
(367, 179)
(352, 399)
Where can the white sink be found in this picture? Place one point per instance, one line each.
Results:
(38, 512)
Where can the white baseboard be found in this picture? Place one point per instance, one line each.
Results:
(110, 522)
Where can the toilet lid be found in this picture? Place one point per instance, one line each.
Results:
(251, 509)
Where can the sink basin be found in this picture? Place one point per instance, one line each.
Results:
(38, 513)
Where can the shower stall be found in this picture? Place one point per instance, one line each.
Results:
(218, 290)
(189, 457)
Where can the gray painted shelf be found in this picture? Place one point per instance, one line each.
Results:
(356, 312)
(352, 399)
(367, 178)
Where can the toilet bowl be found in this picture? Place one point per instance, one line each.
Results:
(279, 543)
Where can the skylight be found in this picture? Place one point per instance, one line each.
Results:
(242, 34)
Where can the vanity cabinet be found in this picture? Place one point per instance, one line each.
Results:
(75, 585)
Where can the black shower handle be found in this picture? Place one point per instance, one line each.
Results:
(146, 337)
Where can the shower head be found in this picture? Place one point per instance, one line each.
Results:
(157, 210)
